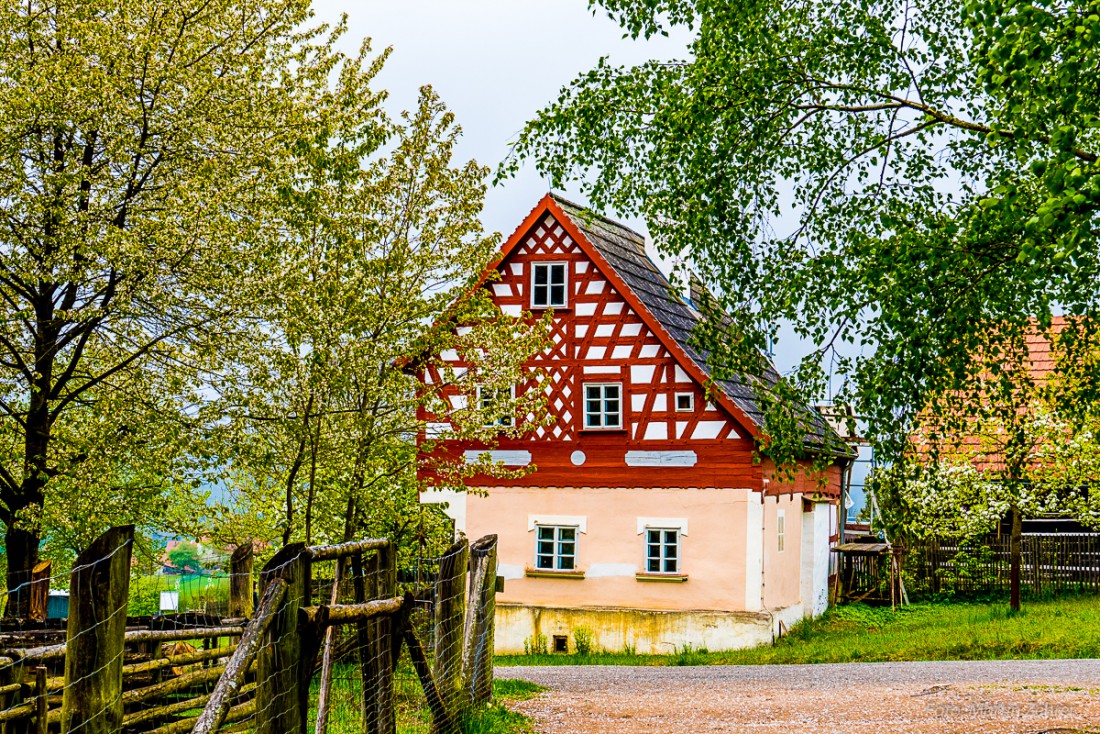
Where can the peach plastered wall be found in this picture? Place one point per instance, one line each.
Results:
(611, 551)
(782, 568)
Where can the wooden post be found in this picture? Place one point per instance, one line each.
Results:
(282, 677)
(41, 703)
(327, 658)
(450, 617)
(385, 587)
(443, 722)
(240, 581)
(362, 643)
(477, 656)
(40, 590)
(230, 683)
(98, 592)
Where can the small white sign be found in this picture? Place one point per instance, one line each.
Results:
(169, 601)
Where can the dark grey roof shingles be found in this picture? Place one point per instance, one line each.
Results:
(624, 250)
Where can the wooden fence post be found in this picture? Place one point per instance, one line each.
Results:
(98, 592)
(477, 656)
(450, 618)
(282, 676)
(41, 702)
(40, 590)
(380, 689)
(240, 581)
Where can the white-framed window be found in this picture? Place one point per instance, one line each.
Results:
(490, 400)
(603, 405)
(548, 285)
(555, 547)
(781, 530)
(684, 402)
(662, 550)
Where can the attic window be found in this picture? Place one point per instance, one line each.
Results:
(685, 402)
(548, 285)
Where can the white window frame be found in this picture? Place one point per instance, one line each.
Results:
(691, 402)
(662, 558)
(603, 413)
(549, 265)
(781, 530)
(506, 421)
(557, 554)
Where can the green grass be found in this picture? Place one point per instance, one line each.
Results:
(1066, 628)
(413, 716)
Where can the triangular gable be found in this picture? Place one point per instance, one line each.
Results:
(547, 205)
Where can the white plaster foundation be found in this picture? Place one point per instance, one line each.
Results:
(614, 629)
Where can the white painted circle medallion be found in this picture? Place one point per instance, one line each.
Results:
(577, 457)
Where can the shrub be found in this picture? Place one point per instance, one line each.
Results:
(535, 645)
(583, 642)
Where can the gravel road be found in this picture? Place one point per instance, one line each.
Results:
(1009, 696)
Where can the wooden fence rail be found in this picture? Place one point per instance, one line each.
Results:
(1051, 564)
(120, 675)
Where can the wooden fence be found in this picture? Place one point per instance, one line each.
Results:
(1051, 564)
(255, 671)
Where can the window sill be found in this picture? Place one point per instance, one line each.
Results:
(604, 430)
(668, 578)
(543, 573)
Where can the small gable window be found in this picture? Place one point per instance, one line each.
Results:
(781, 530)
(603, 405)
(548, 285)
(685, 402)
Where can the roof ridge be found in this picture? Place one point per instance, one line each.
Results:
(597, 217)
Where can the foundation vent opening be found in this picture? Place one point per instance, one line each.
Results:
(561, 643)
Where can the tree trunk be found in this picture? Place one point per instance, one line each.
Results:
(22, 550)
(1015, 554)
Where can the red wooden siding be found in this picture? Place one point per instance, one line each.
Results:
(598, 338)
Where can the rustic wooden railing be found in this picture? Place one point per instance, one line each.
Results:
(256, 668)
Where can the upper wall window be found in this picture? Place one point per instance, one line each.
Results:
(497, 403)
(603, 406)
(548, 285)
(781, 530)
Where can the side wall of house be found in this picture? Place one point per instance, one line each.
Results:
(710, 604)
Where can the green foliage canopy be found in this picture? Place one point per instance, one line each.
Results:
(939, 161)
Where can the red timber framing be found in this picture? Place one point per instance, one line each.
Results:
(605, 335)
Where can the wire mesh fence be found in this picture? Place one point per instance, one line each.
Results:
(322, 639)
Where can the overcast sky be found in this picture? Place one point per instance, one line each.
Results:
(496, 63)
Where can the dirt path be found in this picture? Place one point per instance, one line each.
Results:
(877, 698)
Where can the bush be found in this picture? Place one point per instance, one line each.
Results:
(535, 645)
(583, 642)
(144, 596)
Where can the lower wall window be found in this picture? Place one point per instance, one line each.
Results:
(555, 548)
(662, 550)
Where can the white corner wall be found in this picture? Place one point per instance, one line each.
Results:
(754, 552)
(815, 559)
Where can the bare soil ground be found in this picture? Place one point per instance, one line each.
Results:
(1003, 696)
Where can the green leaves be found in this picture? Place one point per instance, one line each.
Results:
(939, 160)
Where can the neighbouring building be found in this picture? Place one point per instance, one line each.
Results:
(647, 522)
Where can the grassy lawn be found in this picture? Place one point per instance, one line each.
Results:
(1066, 628)
(413, 716)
